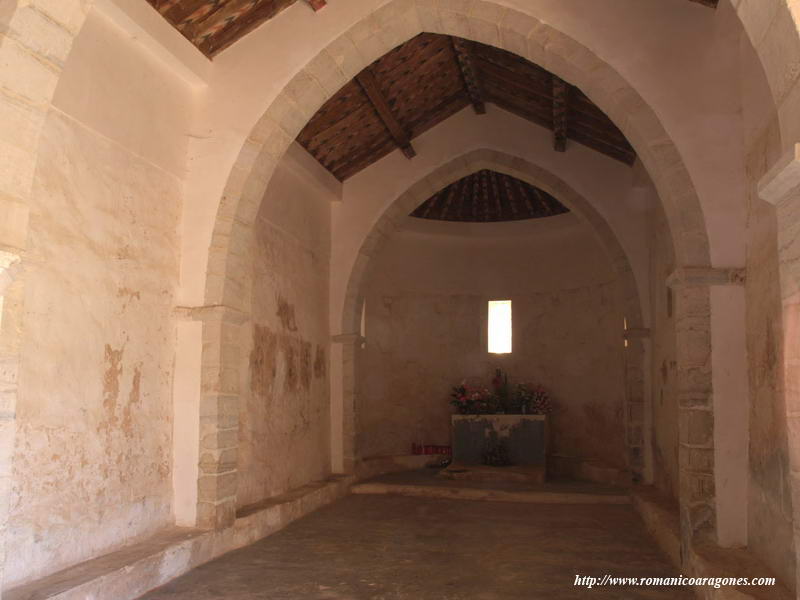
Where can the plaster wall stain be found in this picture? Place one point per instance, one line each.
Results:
(320, 363)
(263, 365)
(113, 372)
(128, 295)
(284, 419)
(286, 314)
(99, 213)
(305, 365)
(134, 398)
(288, 351)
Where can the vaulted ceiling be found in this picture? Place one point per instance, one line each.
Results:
(213, 25)
(488, 196)
(427, 79)
(412, 88)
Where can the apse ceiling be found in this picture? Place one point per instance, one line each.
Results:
(427, 79)
(213, 25)
(488, 196)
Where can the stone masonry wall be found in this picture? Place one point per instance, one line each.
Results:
(769, 499)
(769, 503)
(663, 356)
(426, 331)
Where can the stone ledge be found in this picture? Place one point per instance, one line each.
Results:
(706, 559)
(661, 520)
(348, 338)
(132, 571)
(215, 312)
(126, 573)
(636, 333)
(380, 465)
(783, 179)
(709, 560)
(704, 277)
(488, 495)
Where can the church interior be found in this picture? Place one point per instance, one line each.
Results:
(391, 299)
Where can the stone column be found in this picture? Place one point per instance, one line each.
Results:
(635, 409)
(781, 188)
(350, 344)
(218, 414)
(697, 452)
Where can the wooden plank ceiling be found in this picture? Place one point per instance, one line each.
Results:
(213, 25)
(488, 196)
(427, 79)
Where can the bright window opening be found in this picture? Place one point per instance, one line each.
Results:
(500, 326)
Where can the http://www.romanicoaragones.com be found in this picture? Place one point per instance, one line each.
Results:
(607, 580)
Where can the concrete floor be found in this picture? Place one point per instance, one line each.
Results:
(392, 547)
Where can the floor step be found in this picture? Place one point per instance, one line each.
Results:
(543, 496)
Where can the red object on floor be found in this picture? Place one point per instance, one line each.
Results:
(430, 449)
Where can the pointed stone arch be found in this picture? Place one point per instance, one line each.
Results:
(462, 166)
(491, 23)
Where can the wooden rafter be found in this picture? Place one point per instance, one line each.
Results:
(560, 111)
(420, 84)
(469, 74)
(213, 25)
(240, 25)
(370, 86)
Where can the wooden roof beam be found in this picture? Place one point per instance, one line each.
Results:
(370, 86)
(468, 72)
(560, 93)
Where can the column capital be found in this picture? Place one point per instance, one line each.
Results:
(704, 277)
(217, 312)
(783, 179)
(348, 338)
(636, 333)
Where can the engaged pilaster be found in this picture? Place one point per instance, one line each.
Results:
(702, 508)
(218, 414)
(350, 343)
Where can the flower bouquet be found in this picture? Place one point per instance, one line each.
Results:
(501, 399)
(470, 400)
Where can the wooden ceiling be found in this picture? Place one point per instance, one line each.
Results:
(488, 196)
(427, 79)
(213, 25)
